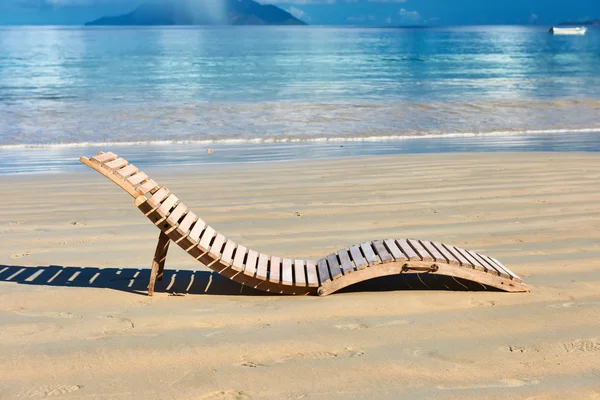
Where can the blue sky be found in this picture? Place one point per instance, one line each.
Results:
(332, 12)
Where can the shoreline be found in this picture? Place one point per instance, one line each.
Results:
(23, 161)
(324, 139)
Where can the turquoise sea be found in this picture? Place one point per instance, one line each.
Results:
(293, 92)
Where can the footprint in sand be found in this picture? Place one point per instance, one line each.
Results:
(119, 326)
(52, 314)
(209, 324)
(436, 355)
(348, 352)
(581, 345)
(565, 305)
(252, 364)
(516, 349)
(66, 315)
(53, 390)
(225, 395)
(395, 322)
(352, 327)
(21, 255)
(483, 303)
(139, 303)
(504, 383)
(294, 396)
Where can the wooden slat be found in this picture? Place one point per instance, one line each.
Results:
(512, 274)
(177, 213)
(452, 259)
(126, 171)
(458, 255)
(420, 250)
(437, 256)
(471, 260)
(382, 252)
(311, 274)
(197, 230)
(502, 269)
(275, 270)
(369, 253)
(323, 271)
(157, 198)
(238, 260)
(217, 246)
(108, 174)
(287, 273)
(137, 178)
(357, 257)
(104, 157)
(206, 238)
(299, 273)
(251, 260)
(227, 256)
(347, 265)
(167, 205)
(394, 249)
(263, 263)
(504, 273)
(334, 267)
(116, 164)
(407, 250)
(490, 267)
(147, 187)
(184, 226)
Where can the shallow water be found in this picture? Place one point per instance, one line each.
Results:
(65, 159)
(75, 85)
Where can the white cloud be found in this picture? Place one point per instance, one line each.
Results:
(297, 2)
(533, 18)
(62, 3)
(298, 13)
(409, 15)
(361, 18)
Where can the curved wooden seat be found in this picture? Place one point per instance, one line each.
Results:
(249, 267)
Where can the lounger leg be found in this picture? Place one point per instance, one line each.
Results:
(158, 264)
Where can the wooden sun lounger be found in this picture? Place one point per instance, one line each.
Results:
(273, 274)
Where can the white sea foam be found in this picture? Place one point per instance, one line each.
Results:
(323, 139)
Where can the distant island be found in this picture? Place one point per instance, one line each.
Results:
(593, 22)
(189, 12)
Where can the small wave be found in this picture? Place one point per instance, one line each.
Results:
(323, 139)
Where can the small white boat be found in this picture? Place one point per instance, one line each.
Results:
(568, 31)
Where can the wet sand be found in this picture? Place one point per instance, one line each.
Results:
(75, 257)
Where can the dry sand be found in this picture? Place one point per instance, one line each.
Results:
(69, 338)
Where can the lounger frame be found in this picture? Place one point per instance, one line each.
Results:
(273, 274)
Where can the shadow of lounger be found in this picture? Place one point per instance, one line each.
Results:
(133, 280)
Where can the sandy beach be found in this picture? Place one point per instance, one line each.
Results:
(75, 257)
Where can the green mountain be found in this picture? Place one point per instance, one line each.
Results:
(202, 12)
